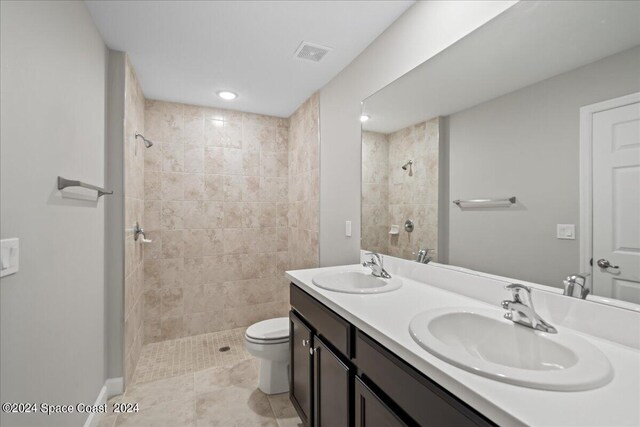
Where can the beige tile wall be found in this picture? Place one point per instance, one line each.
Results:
(375, 192)
(390, 195)
(414, 197)
(134, 211)
(304, 184)
(216, 206)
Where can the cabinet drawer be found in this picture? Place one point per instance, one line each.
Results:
(327, 324)
(422, 399)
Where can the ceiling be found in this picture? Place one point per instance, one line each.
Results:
(530, 42)
(185, 51)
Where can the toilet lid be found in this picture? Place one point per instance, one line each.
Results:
(267, 330)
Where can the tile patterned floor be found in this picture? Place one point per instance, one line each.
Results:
(190, 354)
(187, 382)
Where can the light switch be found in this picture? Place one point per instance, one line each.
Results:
(566, 231)
(347, 228)
(10, 256)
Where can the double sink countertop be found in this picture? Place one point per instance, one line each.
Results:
(386, 317)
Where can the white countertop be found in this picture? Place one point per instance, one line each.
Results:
(385, 317)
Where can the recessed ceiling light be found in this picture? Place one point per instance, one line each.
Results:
(364, 118)
(227, 95)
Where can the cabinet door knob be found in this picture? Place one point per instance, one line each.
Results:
(305, 342)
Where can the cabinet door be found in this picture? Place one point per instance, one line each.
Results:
(371, 410)
(331, 384)
(300, 378)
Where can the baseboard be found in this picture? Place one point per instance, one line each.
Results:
(115, 386)
(112, 387)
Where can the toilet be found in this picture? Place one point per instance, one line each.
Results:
(269, 341)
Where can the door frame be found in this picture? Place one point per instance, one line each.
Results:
(586, 172)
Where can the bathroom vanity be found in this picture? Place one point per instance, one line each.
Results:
(354, 361)
(340, 375)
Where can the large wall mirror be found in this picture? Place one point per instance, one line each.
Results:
(516, 151)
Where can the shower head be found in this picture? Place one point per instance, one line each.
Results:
(406, 165)
(147, 143)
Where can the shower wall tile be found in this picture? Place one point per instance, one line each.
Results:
(391, 195)
(303, 187)
(134, 211)
(375, 192)
(216, 206)
(414, 196)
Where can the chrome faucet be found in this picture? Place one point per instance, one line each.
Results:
(422, 256)
(577, 286)
(521, 309)
(376, 265)
(137, 231)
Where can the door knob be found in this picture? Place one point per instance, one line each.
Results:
(603, 263)
(305, 342)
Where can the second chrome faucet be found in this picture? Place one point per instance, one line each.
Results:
(577, 286)
(423, 256)
(521, 309)
(376, 265)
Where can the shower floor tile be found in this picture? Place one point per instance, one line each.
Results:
(181, 356)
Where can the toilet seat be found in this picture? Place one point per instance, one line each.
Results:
(271, 331)
(266, 342)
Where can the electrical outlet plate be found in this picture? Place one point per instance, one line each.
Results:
(566, 231)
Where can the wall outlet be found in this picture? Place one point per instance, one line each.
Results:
(9, 257)
(566, 231)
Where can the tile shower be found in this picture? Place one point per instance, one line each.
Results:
(390, 194)
(230, 201)
(304, 185)
(133, 211)
(216, 209)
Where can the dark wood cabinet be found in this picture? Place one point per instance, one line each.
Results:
(325, 323)
(331, 387)
(301, 374)
(319, 382)
(341, 377)
(418, 396)
(371, 411)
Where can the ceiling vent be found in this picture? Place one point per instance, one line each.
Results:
(311, 52)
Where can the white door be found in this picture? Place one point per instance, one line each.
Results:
(616, 202)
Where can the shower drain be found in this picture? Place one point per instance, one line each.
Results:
(223, 349)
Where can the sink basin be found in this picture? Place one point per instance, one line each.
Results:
(356, 282)
(483, 342)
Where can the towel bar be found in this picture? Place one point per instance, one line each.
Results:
(485, 203)
(64, 183)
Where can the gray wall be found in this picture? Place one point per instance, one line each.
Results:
(526, 144)
(425, 29)
(53, 123)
